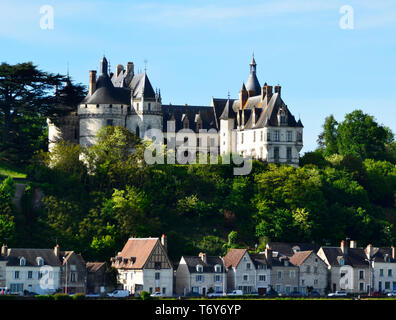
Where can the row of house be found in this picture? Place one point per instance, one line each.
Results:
(143, 265)
(46, 271)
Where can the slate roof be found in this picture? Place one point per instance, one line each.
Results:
(258, 259)
(287, 248)
(355, 256)
(179, 112)
(208, 267)
(137, 249)
(253, 84)
(233, 257)
(31, 256)
(228, 112)
(382, 255)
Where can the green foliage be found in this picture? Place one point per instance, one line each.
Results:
(62, 296)
(144, 295)
(79, 296)
(44, 297)
(212, 245)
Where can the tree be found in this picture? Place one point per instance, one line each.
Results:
(327, 140)
(26, 99)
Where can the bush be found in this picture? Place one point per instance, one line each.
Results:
(62, 296)
(144, 295)
(79, 296)
(44, 297)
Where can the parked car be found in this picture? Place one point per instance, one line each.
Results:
(296, 294)
(4, 290)
(314, 294)
(271, 294)
(118, 294)
(235, 293)
(391, 294)
(215, 294)
(338, 294)
(156, 294)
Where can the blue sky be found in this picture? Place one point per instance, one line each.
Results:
(197, 49)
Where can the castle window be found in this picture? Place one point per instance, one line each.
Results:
(86, 106)
(261, 135)
(289, 154)
(109, 122)
(128, 109)
(268, 136)
(254, 136)
(276, 135)
(149, 106)
(242, 137)
(122, 107)
(110, 106)
(137, 131)
(276, 153)
(289, 136)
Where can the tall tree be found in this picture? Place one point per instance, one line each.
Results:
(26, 98)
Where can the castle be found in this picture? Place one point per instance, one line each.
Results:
(257, 124)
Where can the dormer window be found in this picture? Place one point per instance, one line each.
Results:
(342, 261)
(22, 261)
(40, 261)
(217, 268)
(199, 268)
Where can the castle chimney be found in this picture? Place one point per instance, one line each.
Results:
(278, 90)
(393, 252)
(203, 257)
(352, 244)
(92, 82)
(164, 242)
(119, 69)
(130, 68)
(4, 250)
(369, 251)
(344, 247)
(56, 250)
(243, 95)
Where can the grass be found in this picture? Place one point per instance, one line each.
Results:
(9, 170)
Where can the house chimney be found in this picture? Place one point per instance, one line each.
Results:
(266, 90)
(352, 244)
(164, 242)
(4, 250)
(203, 257)
(393, 252)
(56, 250)
(130, 68)
(369, 251)
(344, 247)
(92, 82)
(278, 90)
(119, 68)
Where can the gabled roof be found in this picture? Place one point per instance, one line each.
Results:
(138, 250)
(289, 248)
(258, 259)
(31, 255)
(93, 267)
(228, 112)
(208, 267)
(299, 257)
(233, 257)
(354, 256)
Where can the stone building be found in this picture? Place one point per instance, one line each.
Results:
(258, 124)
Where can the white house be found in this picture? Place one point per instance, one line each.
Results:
(143, 265)
(383, 268)
(201, 275)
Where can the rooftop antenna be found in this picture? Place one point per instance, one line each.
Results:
(228, 94)
(109, 67)
(145, 65)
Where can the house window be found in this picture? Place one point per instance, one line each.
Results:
(217, 268)
(361, 274)
(199, 278)
(308, 269)
(109, 122)
(387, 285)
(262, 278)
(315, 270)
(316, 281)
(279, 274)
(149, 106)
(16, 275)
(292, 274)
(247, 266)
(40, 261)
(30, 274)
(157, 265)
(218, 289)
(157, 276)
(73, 277)
(195, 289)
(278, 288)
(289, 136)
(245, 277)
(39, 275)
(302, 282)
(381, 272)
(389, 272)
(217, 278)
(361, 286)
(163, 290)
(110, 106)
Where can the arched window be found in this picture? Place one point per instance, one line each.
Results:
(40, 261)
(199, 268)
(22, 261)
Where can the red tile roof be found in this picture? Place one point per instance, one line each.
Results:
(138, 249)
(299, 257)
(233, 257)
